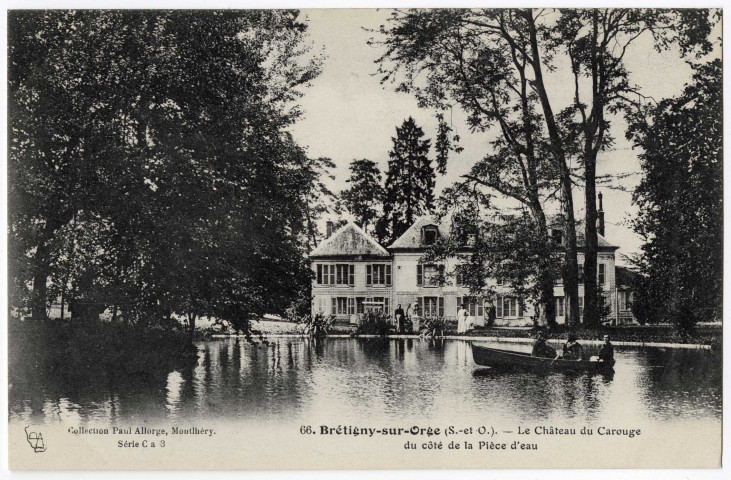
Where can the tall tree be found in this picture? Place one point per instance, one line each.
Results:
(488, 61)
(163, 134)
(479, 50)
(681, 202)
(409, 182)
(364, 197)
(596, 42)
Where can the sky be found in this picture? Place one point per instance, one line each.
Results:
(350, 115)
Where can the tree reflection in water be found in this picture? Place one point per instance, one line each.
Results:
(394, 379)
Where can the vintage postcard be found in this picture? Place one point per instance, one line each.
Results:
(364, 239)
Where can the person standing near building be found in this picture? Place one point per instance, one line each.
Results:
(400, 317)
(462, 320)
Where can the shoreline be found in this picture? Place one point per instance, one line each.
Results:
(472, 338)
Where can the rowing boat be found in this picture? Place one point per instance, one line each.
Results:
(493, 357)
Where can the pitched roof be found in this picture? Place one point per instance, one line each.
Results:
(625, 277)
(349, 240)
(600, 241)
(411, 238)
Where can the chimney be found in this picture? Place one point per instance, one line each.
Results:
(600, 217)
(330, 228)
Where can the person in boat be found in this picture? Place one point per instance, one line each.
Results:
(572, 349)
(542, 349)
(606, 351)
(400, 317)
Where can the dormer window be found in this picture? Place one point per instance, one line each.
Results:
(429, 235)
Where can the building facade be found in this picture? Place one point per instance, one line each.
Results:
(354, 273)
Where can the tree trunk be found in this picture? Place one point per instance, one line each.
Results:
(591, 297)
(570, 273)
(41, 272)
(191, 325)
(594, 131)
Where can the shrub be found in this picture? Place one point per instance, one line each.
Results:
(374, 323)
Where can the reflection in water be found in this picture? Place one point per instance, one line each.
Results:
(348, 379)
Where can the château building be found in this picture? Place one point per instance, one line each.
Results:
(353, 273)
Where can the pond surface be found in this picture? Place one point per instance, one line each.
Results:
(358, 379)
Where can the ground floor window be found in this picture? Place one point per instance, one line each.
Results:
(430, 307)
(321, 305)
(508, 307)
(581, 306)
(560, 306)
(385, 302)
(343, 306)
(625, 300)
(359, 305)
(473, 305)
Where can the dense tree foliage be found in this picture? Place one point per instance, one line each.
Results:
(681, 203)
(409, 191)
(484, 59)
(364, 197)
(149, 172)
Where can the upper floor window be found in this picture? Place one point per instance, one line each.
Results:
(429, 235)
(378, 274)
(459, 275)
(338, 274)
(429, 275)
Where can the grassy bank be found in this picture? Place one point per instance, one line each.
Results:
(704, 334)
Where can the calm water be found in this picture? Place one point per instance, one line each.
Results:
(346, 379)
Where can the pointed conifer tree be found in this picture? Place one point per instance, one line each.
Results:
(409, 182)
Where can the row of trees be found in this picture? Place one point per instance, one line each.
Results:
(494, 64)
(150, 172)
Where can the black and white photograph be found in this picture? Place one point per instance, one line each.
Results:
(364, 239)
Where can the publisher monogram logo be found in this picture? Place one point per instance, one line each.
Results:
(35, 439)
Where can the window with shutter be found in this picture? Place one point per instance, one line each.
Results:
(386, 306)
(419, 275)
(351, 306)
(459, 303)
(420, 306)
(369, 275)
(441, 306)
(319, 274)
(560, 306)
(602, 273)
(351, 279)
(334, 305)
(332, 274)
(480, 307)
(499, 307)
(581, 306)
(388, 274)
